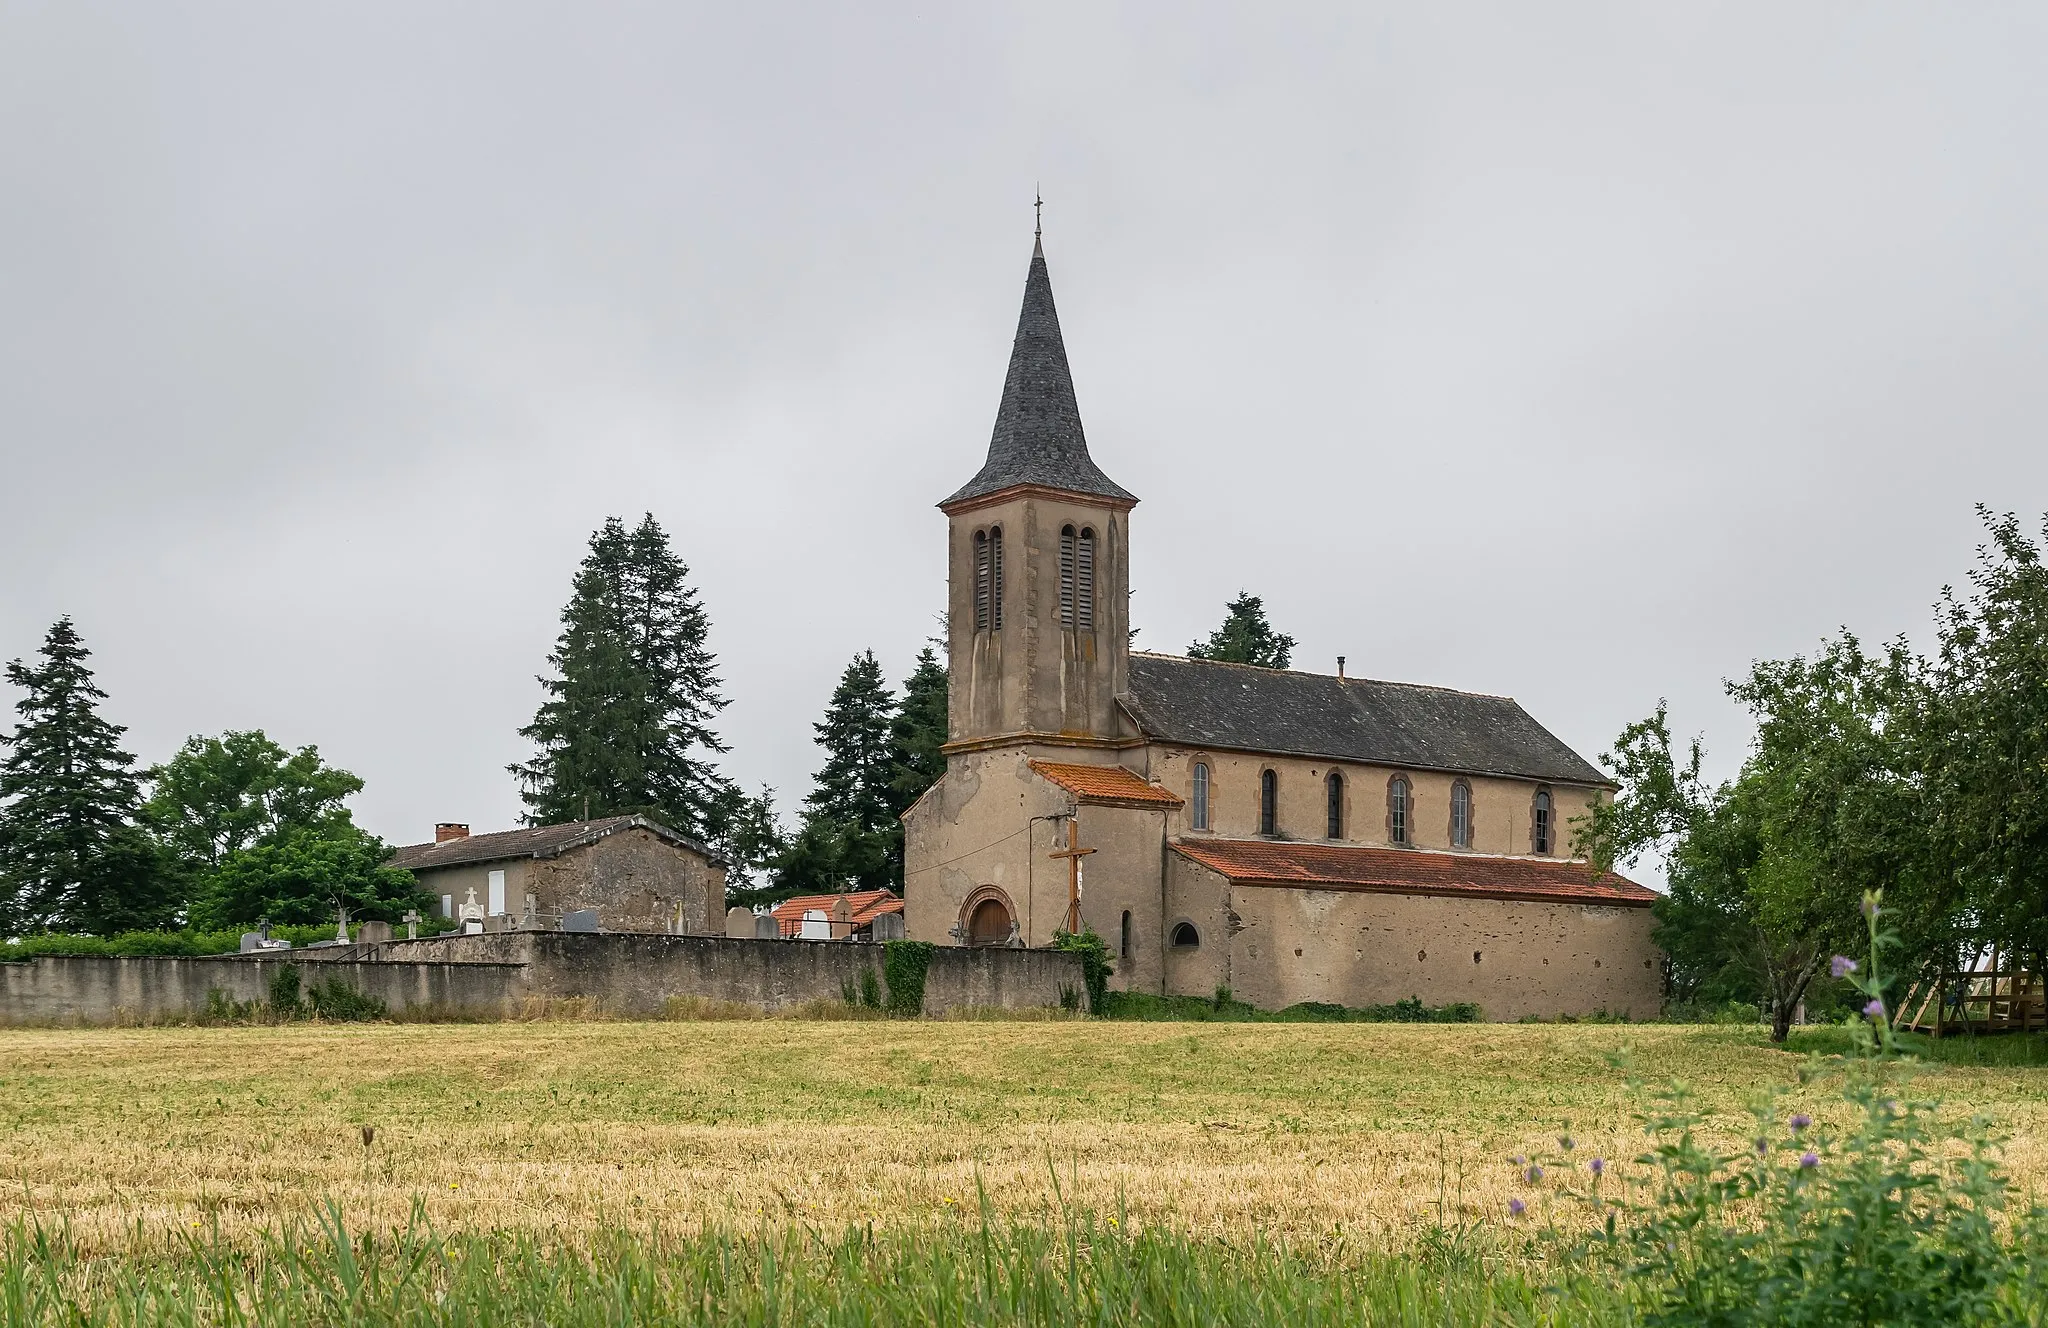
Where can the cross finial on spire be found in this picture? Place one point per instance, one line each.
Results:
(1037, 214)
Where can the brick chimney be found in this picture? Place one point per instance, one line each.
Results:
(450, 830)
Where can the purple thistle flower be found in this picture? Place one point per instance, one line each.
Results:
(1800, 1122)
(1763, 1146)
(1516, 1208)
(1874, 1010)
(1808, 1161)
(1599, 1166)
(1519, 1160)
(1842, 966)
(1535, 1174)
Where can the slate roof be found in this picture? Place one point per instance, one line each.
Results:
(540, 841)
(862, 907)
(1201, 703)
(1108, 785)
(1411, 871)
(1038, 437)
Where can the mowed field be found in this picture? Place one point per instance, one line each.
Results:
(566, 1128)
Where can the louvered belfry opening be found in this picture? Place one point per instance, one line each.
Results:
(1068, 539)
(1084, 580)
(988, 579)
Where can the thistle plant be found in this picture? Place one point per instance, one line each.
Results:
(1894, 1217)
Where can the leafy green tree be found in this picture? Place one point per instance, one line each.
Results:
(304, 874)
(851, 837)
(1984, 738)
(1767, 871)
(70, 853)
(1246, 637)
(633, 688)
(919, 731)
(218, 796)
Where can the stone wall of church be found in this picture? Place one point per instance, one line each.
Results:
(1503, 809)
(1278, 946)
(981, 830)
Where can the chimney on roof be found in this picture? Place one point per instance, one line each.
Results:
(446, 831)
(1340, 666)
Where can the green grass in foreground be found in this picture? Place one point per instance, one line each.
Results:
(1083, 1271)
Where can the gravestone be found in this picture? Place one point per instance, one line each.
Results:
(412, 924)
(583, 920)
(500, 922)
(816, 926)
(373, 933)
(767, 927)
(471, 911)
(888, 927)
(739, 923)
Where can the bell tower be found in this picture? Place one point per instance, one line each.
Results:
(1039, 562)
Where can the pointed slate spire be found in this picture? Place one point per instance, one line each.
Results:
(1038, 438)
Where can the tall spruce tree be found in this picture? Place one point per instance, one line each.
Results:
(851, 838)
(920, 730)
(626, 726)
(70, 853)
(1246, 637)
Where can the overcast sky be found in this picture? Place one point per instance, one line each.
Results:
(1580, 353)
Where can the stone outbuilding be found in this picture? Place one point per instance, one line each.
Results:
(1292, 836)
(636, 874)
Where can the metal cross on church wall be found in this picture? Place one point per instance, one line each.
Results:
(1073, 853)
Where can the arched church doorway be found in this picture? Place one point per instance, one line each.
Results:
(989, 923)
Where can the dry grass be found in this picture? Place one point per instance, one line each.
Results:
(563, 1127)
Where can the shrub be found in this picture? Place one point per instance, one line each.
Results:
(1096, 965)
(285, 1002)
(335, 999)
(904, 964)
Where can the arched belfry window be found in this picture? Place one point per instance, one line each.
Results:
(1461, 815)
(1084, 580)
(1397, 810)
(1333, 790)
(988, 579)
(1201, 798)
(1540, 833)
(1269, 803)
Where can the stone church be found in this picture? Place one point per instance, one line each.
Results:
(1292, 836)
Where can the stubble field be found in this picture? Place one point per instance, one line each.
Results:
(131, 1137)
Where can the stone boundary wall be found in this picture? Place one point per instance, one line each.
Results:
(496, 975)
(98, 989)
(636, 974)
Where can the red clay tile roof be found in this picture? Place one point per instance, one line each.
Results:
(862, 907)
(540, 841)
(1110, 785)
(1411, 871)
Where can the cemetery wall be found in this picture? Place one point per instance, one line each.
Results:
(495, 974)
(98, 989)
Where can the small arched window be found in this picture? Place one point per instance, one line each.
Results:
(1185, 937)
(1539, 822)
(1269, 803)
(1068, 540)
(1461, 815)
(1333, 789)
(1397, 810)
(1201, 783)
(988, 579)
(1123, 941)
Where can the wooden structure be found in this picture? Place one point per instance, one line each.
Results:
(2000, 997)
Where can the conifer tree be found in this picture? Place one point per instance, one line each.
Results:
(1246, 637)
(633, 689)
(851, 838)
(747, 832)
(920, 730)
(70, 853)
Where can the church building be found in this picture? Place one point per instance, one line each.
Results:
(1291, 836)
